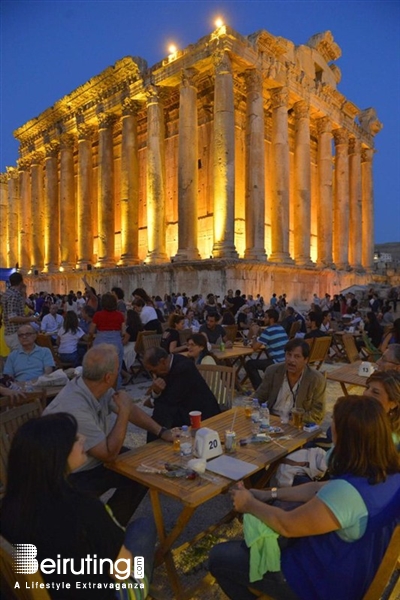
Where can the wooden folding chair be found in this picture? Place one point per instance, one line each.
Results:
(231, 332)
(319, 350)
(27, 582)
(294, 328)
(45, 342)
(370, 351)
(10, 421)
(350, 348)
(184, 335)
(386, 583)
(7, 402)
(151, 341)
(137, 366)
(221, 381)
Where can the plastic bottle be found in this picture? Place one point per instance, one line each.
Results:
(264, 416)
(255, 414)
(186, 442)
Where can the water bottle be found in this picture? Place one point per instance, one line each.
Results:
(186, 442)
(255, 414)
(264, 416)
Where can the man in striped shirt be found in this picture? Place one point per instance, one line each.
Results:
(274, 339)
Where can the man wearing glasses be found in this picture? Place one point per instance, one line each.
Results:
(29, 361)
(390, 359)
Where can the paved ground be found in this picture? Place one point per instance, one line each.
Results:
(193, 561)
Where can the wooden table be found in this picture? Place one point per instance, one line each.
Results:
(234, 356)
(348, 374)
(194, 493)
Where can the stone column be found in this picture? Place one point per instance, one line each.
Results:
(355, 216)
(37, 204)
(280, 178)
(341, 201)
(52, 208)
(3, 219)
(67, 203)
(325, 204)
(85, 199)
(302, 182)
(368, 240)
(224, 159)
(129, 184)
(155, 178)
(187, 169)
(255, 168)
(25, 233)
(106, 206)
(13, 211)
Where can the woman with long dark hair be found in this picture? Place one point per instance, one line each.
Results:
(392, 337)
(373, 328)
(68, 338)
(198, 350)
(150, 317)
(41, 508)
(385, 387)
(170, 340)
(325, 546)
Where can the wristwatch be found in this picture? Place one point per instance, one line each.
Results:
(274, 493)
(163, 430)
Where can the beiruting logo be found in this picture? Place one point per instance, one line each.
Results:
(24, 557)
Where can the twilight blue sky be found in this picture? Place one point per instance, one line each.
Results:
(48, 48)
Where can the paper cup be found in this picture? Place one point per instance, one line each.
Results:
(195, 419)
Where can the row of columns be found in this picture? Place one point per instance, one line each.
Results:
(50, 245)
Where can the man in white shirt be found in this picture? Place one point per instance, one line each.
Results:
(52, 322)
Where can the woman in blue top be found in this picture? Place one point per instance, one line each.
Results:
(332, 545)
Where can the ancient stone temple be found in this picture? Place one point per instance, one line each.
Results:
(233, 162)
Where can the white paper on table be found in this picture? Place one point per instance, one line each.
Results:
(230, 467)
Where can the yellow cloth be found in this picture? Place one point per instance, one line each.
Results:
(265, 554)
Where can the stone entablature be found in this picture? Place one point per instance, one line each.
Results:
(222, 149)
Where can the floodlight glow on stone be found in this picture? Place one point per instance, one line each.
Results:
(172, 49)
(218, 23)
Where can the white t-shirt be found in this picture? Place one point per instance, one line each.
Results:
(148, 314)
(69, 341)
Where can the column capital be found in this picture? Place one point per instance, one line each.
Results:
(324, 125)
(253, 79)
(222, 62)
(67, 141)
(279, 98)
(106, 120)
(85, 132)
(354, 146)
(301, 109)
(152, 94)
(367, 154)
(36, 158)
(12, 173)
(23, 164)
(187, 77)
(3, 178)
(340, 136)
(52, 149)
(130, 107)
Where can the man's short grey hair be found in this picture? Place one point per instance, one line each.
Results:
(25, 325)
(395, 352)
(154, 355)
(98, 361)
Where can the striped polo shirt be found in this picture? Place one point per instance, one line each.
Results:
(274, 339)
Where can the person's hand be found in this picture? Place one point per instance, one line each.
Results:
(229, 344)
(167, 436)
(16, 395)
(123, 403)
(241, 498)
(159, 385)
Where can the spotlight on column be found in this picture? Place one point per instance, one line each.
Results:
(172, 49)
(219, 23)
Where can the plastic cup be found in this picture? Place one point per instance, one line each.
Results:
(195, 419)
(298, 417)
(248, 408)
(285, 418)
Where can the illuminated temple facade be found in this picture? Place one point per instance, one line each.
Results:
(233, 162)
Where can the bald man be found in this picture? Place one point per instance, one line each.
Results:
(91, 399)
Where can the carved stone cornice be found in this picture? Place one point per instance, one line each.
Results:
(12, 173)
(67, 141)
(253, 79)
(130, 107)
(279, 98)
(354, 146)
(222, 62)
(369, 121)
(36, 158)
(271, 67)
(52, 149)
(325, 45)
(340, 136)
(337, 73)
(106, 120)
(266, 42)
(85, 132)
(367, 154)
(301, 110)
